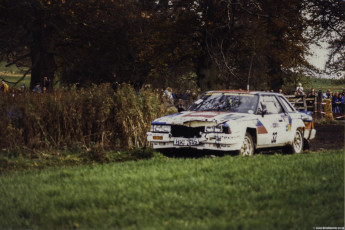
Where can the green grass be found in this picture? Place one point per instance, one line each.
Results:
(13, 69)
(11, 80)
(325, 84)
(262, 192)
(12, 74)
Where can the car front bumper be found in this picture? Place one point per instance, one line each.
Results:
(309, 134)
(207, 141)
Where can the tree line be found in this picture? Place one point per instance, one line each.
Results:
(216, 43)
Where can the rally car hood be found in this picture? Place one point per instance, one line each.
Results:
(200, 118)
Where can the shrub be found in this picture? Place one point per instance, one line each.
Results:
(97, 118)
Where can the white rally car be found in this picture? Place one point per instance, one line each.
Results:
(234, 121)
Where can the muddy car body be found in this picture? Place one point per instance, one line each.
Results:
(234, 121)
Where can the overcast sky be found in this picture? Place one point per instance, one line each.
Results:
(318, 59)
(319, 56)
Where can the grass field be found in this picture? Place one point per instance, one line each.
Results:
(325, 84)
(263, 192)
(13, 69)
(12, 74)
(12, 79)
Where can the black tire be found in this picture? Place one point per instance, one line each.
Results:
(166, 152)
(297, 144)
(248, 147)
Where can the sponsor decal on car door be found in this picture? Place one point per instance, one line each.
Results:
(286, 128)
(273, 120)
(271, 130)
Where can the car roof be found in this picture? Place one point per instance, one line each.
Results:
(243, 92)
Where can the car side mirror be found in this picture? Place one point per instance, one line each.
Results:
(263, 112)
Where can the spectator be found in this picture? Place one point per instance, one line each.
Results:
(22, 88)
(3, 86)
(312, 93)
(46, 83)
(78, 84)
(168, 93)
(37, 88)
(328, 94)
(180, 106)
(299, 92)
(161, 92)
(310, 103)
(280, 91)
(340, 103)
(186, 97)
(196, 94)
(169, 96)
(334, 103)
(299, 87)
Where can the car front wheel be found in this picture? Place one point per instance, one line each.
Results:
(297, 143)
(247, 148)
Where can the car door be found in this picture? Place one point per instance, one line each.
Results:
(290, 115)
(273, 122)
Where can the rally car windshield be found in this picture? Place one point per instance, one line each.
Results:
(227, 102)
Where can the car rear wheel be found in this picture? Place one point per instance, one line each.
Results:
(247, 148)
(297, 143)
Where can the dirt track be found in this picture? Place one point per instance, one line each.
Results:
(329, 137)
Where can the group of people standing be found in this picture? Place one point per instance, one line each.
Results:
(45, 84)
(180, 101)
(37, 89)
(338, 101)
(337, 98)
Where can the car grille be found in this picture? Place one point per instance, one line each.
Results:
(187, 132)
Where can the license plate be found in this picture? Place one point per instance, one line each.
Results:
(186, 142)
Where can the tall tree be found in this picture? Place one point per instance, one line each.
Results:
(96, 42)
(28, 34)
(327, 21)
(74, 39)
(250, 42)
(167, 41)
(254, 42)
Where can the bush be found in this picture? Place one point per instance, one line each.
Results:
(97, 118)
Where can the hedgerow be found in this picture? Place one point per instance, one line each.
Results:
(96, 118)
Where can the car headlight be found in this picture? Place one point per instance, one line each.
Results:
(161, 128)
(213, 129)
(209, 129)
(218, 129)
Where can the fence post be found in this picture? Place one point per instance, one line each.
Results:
(304, 103)
(328, 109)
(319, 104)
